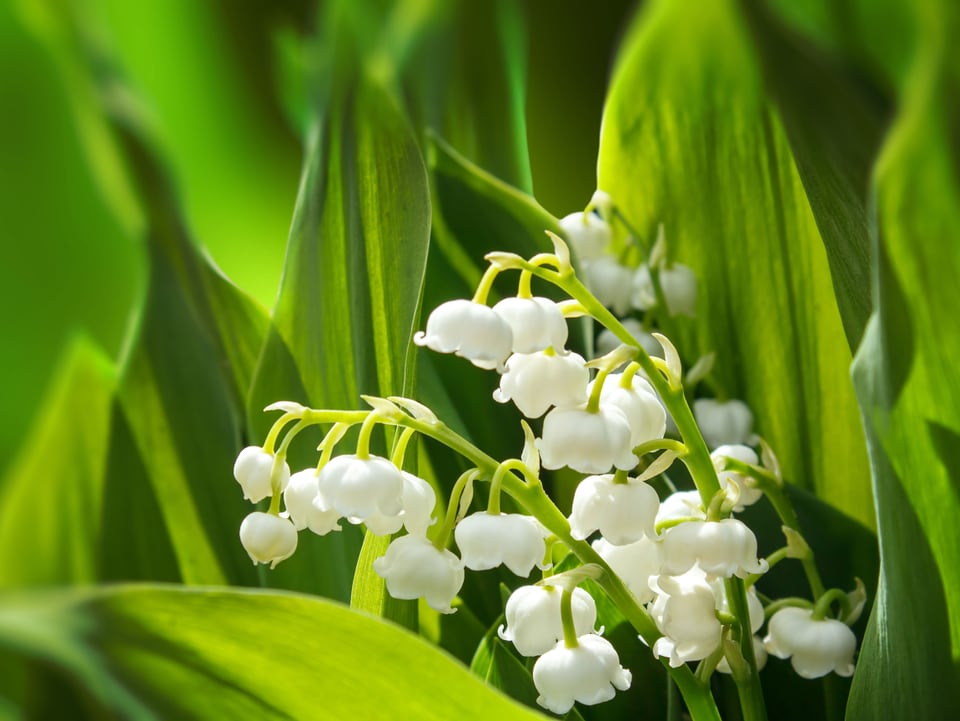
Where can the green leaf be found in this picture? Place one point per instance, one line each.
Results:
(691, 140)
(369, 592)
(128, 646)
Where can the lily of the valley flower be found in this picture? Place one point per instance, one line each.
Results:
(533, 618)
(586, 441)
(721, 548)
(685, 613)
(305, 506)
(736, 484)
(681, 504)
(815, 647)
(536, 323)
(679, 285)
(536, 381)
(418, 499)
(639, 403)
(414, 568)
(723, 422)
(360, 488)
(610, 282)
(634, 563)
(252, 470)
(469, 330)
(588, 233)
(589, 673)
(622, 512)
(267, 538)
(487, 540)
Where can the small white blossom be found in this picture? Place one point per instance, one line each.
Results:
(588, 673)
(685, 613)
(589, 235)
(639, 403)
(635, 563)
(622, 512)
(536, 323)
(723, 422)
(252, 470)
(736, 484)
(536, 381)
(533, 618)
(413, 568)
(586, 442)
(267, 538)
(359, 488)
(681, 504)
(679, 285)
(418, 499)
(512, 539)
(721, 548)
(610, 282)
(470, 330)
(304, 506)
(607, 341)
(814, 647)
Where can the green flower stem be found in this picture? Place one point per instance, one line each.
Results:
(620, 477)
(400, 449)
(789, 602)
(748, 684)
(453, 508)
(271, 440)
(366, 430)
(566, 618)
(822, 607)
(660, 444)
(772, 560)
(278, 459)
(523, 287)
(485, 284)
(593, 402)
(626, 379)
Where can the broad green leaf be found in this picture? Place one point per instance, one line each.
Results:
(909, 388)
(126, 647)
(691, 140)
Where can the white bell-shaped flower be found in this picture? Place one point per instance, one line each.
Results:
(419, 499)
(536, 381)
(588, 673)
(685, 613)
(639, 403)
(470, 330)
(634, 563)
(586, 442)
(267, 538)
(721, 548)
(723, 422)
(589, 234)
(487, 540)
(536, 323)
(305, 506)
(679, 285)
(414, 568)
(610, 282)
(681, 504)
(533, 618)
(814, 647)
(359, 488)
(622, 512)
(607, 341)
(759, 653)
(737, 485)
(252, 470)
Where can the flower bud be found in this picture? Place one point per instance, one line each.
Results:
(305, 507)
(536, 381)
(589, 235)
(268, 538)
(413, 568)
(533, 618)
(814, 647)
(634, 563)
(470, 330)
(252, 470)
(536, 323)
(721, 548)
(737, 485)
(512, 539)
(359, 488)
(639, 403)
(622, 512)
(419, 500)
(723, 422)
(587, 673)
(610, 282)
(679, 285)
(586, 442)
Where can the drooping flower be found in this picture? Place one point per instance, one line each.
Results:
(469, 330)
(533, 618)
(639, 403)
(305, 507)
(622, 512)
(815, 647)
(536, 381)
(267, 538)
(679, 285)
(252, 470)
(414, 568)
(418, 499)
(736, 484)
(588, 233)
(720, 548)
(536, 323)
(685, 613)
(487, 540)
(610, 282)
(588, 673)
(634, 563)
(586, 441)
(360, 488)
(723, 422)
